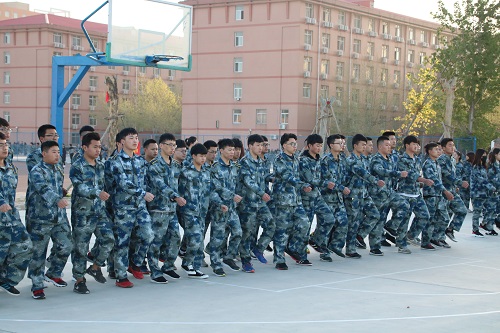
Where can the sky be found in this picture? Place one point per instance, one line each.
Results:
(81, 8)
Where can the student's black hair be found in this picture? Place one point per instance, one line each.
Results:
(4, 122)
(2, 136)
(210, 144)
(287, 136)
(264, 138)
(445, 141)
(127, 131)
(43, 129)
(471, 155)
(180, 143)
(48, 144)
(148, 142)
(87, 138)
(255, 138)
(494, 152)
(459, 154)
(342, 136)
(428, 147)
(118, 137)
(86, 128)
(369, 139)
(198, 149)
(410, 139)
(382, 139)
(226, 142)
(190, 141)
(389, 133)
(478, 158)
(357, 138)
(237, 143)
(313, 139)
(331, 139)
(166, 137)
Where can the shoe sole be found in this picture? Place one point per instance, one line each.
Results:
(79, 293)
(451, 238)
(125, 287)
(426, 249)
(38, 297)
(8, 292)
(252, 271)
(172, 277)
(376, 254)
(231, 268)
(54, 283)
(353, 257)
(326, 260)
(153, 281)
(198, 277)
(339, 253)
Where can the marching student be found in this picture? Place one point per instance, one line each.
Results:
(494, 177)
(466, 171)
(150, 147)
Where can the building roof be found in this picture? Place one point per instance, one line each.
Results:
(54, 20)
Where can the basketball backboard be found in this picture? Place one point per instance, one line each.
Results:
(151, 33)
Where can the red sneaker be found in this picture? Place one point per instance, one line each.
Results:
(58, 282)
(124, 283)
(136, 272)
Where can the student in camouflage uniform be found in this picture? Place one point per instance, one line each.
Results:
(79, 152)
(48, 219)
(466, 171)
(150, 147)
(452, 181)
(178, 159)
(482, 193)
(189, 143)
(358, 179)
(131, 218)
(15, 242)
(89, 217)
(381, 166)
(211, 146)
(224, 175)
(333, 169)
(252, 186)
(292, 224)
(196, 187)
(494, 177)
(6, 131)
(162, 184)
(313, 202)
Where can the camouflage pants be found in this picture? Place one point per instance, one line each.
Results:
(324, 220)
(166, 232)
(292, 230)
(41, 232)
(465, 196)
(438, 213)
(338, 234)
(421, 219)
(268, 227)
(249, 217)
(84, 226)
(359, 209)
(128, 224)
(487, 208)
(193, 232)
(457, 207)
(220, 223)
(15, 252)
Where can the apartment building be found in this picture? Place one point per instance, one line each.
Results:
(27, 46)
(265, 66)
(12, 10)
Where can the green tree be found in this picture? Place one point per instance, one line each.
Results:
(154, 109)
(472, 58)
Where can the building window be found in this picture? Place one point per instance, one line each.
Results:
(309, 10)
(423, 36)
(75, 119)
(340, 43)
(369, 97)
(7, 13)
(76, 42)
(111, 67)
(422, 58)
(306, 90)
(370, 49)
(284, 117)
(357, 21)
(239, 13)
(93, 81)
(339, 94)
(325, 92)
(6, 116)
(238, 91)
(327, 15)
(397, 77)
(57, 38)
(411, 56)
(57, 54)
(6, 38)
(75, 99)
(75, 138)
(236, 116)
(238, 38)
(342, 18)
(396, 100)
(385, 28)
(370, 73)
(411, 34)
(384, 72)
(340, 69)
(92, 100)
(126, 69)
(356, 68)
(371, 25)
(356, 46)
(171, 72)
(261, 118)
(355, 97)
(126, 85)
(397, 30)
(435, 39)
(6, 57)
(308, 37)
(142, 70)
(92, 120)
(307, 64)
(325, 40)
(238, 65)
(385, 51)
(383, 98)
(397, 53)
(6, 77)
(6, 97)
(95, 42)
(325, 66)
(156, 72)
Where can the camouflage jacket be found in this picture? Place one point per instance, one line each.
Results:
(335, 171)
(480, 186)
(431, 170)
(88, 182)
(358, 177)
(451, 179)
(224, 179)
(161, 183)
(383, 169)
(494, 175)
(310, 173)
(409, 185)
(176, 169)
(252, 182)
(466, 171)
(46, 189)
(287, 183)
(196, 187)
(8, 185)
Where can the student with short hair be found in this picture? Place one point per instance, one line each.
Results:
(494, 177)
(150, 147)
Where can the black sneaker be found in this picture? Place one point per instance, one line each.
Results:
(353, 255)
(219, 272)
(449, 233)
(428, 247)
(492, 232)
(477, 233)
(159, 279)
(269, 248)
(304, 262)
(96, 274)
(182, 253)
(112, 275)
(314, 245)
(390, 231)
(11, 290)
(292, 255)
(390, 238)
(376, 252)
(187, 268)
(436, 243)
(81, 288)
(444, 244)
(38, 294)
(231, 264)
(360, 242)
(386, 243)
(172, 274)
(196, 274)
(338, 252)
(281, 266)
(325, 257)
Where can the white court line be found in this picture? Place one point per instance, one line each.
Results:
(239, 286)
(494, 268)
(292, 322)
(410, 294)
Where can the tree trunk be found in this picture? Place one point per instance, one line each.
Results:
(472, 110)
(114, 116)
(449, 88)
